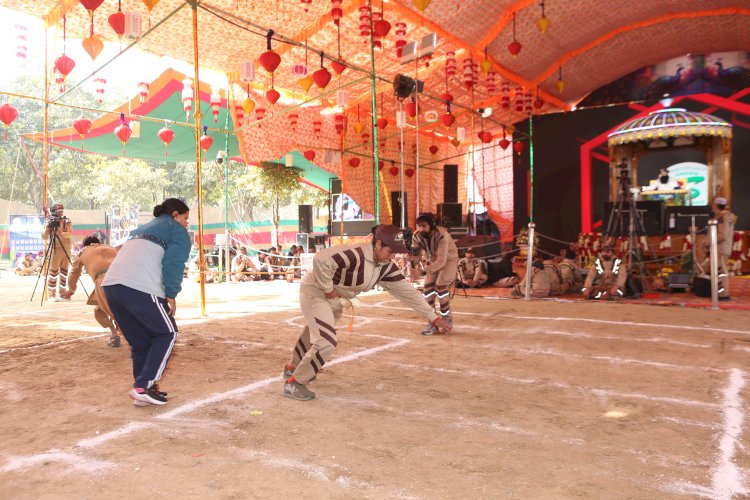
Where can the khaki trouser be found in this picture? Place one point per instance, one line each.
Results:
(102, 312)
(723, 280)
(58, 265)
(438, 284)
(26, 271)
(317, 342)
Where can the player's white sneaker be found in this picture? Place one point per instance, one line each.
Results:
(297, 391)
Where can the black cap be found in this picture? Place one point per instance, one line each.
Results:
(391, 236)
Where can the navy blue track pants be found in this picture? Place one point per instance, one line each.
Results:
(148, 328)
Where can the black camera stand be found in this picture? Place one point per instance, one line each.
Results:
(48, 251)
(632, 227)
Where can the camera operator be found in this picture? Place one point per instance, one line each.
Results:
(58, 230)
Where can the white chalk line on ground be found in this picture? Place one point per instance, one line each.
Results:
(564, 318)
(56, 342)
(83, 464)
(592, 390)
(91, 443)
(727, 479)
(56, 313)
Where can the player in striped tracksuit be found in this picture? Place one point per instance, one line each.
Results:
(340, 273)
(141, 285)
(442, 267)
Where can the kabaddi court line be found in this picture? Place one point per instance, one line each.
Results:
(16, 463)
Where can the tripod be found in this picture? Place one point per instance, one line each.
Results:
(633, 227)
(47, 259)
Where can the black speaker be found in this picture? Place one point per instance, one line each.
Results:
(450, 184)
(305, 218)
(652, 215)
(450, 215)
(396, 208)
(335, 186)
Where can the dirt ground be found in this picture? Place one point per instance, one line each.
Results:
(526, 399)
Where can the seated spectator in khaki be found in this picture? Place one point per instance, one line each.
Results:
(572, 279)
(295, 260)
(26, 266)
(243, 268)
(195, 273)
(275, 266)
(506, 277)
(606, 278)
(539, 282)
(472, 272)
(554, 277)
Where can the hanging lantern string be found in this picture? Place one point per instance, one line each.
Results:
(514, 26)
(542, 4)
(338, 39)
(65, 31)
(322, 56)
(305, 51)
(268, 39)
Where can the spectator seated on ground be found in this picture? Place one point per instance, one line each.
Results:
(554, 276)
(196, 267)
(570, 273)
(539, 282)
(243, 268)
(472, 272)
(607, 277)
(501, 274)
(26, 266)
(264, 267)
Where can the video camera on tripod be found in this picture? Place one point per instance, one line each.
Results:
(55, 219)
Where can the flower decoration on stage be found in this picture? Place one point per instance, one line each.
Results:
(400, 37)
(485, 136)
(8, 115)
(543, 23)
(421, 4)
(518, 147)
(117, 20)
(206, 140)
(354, 162)
(434, 149)
(309, 155)
(336, 11)
(187, 97)
(123, 132)
(322, 76)
(166, 135)
(409, 172)
(215, 105)
(100, 86)
(269, 59)
(560, 83)
(514, 47)
(82, 126)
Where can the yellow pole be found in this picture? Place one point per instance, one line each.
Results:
(198, 163)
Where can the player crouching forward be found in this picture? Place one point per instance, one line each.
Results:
(340, 273)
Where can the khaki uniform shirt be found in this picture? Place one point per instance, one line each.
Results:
(609, 273)
(473, 269)
(439, 247)
(725, 232)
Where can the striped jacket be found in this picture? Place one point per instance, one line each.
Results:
(351, 269)
(439, 247)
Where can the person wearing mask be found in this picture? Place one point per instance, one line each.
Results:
(339, 274)
(442, 265)
(606, 277)
(141, 287)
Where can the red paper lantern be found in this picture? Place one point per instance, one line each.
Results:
(336, 11)
(206, 140)
(411, 109)
(338, 67)
(393, 171)
(518, 147)
(64, 65)
(354, 162)
(8, 114)
(382, 123)
(167, 136)
(123, 132)
(485, 136)
(434, 149)
(380, 165)
(504, 143)
(269, 59)
(448, 119)
(93, 46)
(309, 155)
(446, 97)
(273, 96)
(82, 126)
(381, 28)
(117, 22)
(409, 172)
(321, 77)
(91, 5)
(514, 48)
